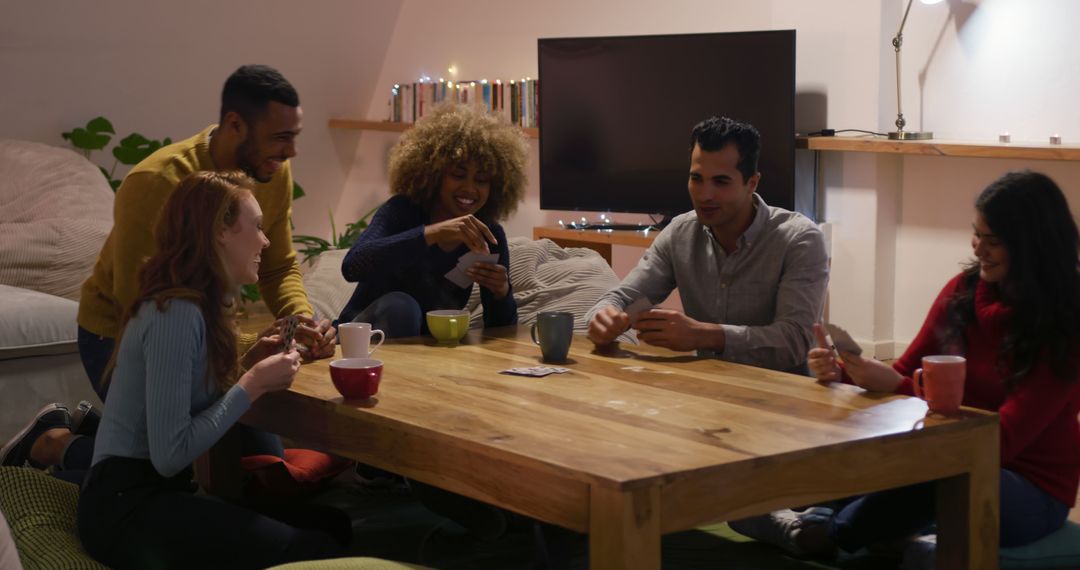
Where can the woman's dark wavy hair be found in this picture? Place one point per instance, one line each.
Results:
(1030, 215)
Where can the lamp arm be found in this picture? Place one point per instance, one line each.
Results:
(897, 42)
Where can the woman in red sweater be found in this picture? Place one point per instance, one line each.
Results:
(1014, 314)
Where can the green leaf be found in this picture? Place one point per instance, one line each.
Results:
(115, 184)
(313, 246)
(250, 293)
(91, 137)
(134, 148)
(83, 139)
(100, 125)
(297, 191)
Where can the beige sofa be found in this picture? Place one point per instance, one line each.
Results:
(544, 277)
(55, 213)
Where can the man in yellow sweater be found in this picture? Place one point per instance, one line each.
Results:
(259, 122)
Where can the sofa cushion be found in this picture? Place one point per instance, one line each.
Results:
(41, 512)
(327, 289)
(546, 277)
(55, 213)
(9, 554)
(349, 564)
(36, 324)
(1059, 550)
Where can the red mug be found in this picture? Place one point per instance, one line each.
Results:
(356, 378)
(941, 382)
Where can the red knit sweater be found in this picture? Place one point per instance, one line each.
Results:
(1040, 434)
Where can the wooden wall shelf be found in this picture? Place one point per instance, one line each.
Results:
(971, 149)
(389, 126)
(599, 241)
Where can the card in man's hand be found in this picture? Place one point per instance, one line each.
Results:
(634, 310)
(841, 340)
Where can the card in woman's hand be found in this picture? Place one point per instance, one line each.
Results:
(841, 340)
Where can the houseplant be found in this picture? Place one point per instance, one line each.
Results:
(96, 135)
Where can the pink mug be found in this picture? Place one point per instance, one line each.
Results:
(941, 382)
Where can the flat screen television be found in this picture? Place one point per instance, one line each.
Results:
(616, 113)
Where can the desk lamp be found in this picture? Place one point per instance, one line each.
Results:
(897, 41)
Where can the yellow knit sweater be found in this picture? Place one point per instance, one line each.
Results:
(114, 283)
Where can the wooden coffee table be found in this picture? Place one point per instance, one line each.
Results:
(633, 445)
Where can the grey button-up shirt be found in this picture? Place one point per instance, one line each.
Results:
(766, 295)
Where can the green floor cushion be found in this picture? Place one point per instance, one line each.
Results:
(1059, 550)
(41, 512)
(349, 564)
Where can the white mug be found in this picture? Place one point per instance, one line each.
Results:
(356, 339)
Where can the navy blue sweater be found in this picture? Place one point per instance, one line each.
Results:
(391, 255)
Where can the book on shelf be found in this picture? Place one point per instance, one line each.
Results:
(517, 100)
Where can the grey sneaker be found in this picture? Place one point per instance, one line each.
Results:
(800, 534)
(16, 452)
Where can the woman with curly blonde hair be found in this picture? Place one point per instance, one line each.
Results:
(455, 175)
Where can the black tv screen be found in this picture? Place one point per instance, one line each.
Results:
(616, 113)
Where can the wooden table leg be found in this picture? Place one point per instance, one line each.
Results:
(968, 509)
(218, 470)
(624, 528)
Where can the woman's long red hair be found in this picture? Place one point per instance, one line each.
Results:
(187, 264)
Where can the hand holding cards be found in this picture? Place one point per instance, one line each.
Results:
(840, 340)
(634, 310)
(457, 274)
(288, 331)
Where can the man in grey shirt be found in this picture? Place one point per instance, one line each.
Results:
(751, 277)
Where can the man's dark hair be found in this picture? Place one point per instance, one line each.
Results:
(714, 133)
(251, 88)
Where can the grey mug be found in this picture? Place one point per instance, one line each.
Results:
(553, 332)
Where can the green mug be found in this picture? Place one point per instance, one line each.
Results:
(448, 325)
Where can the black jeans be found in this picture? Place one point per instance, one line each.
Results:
(129, 516)
(95, 351)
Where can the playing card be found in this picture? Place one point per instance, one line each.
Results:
(841, 340)
(288, 331)
(536, 371)
(636, 308)
(466, 261)
(457, 275)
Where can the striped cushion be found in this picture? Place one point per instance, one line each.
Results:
(55, 213)
(41, 512)
(546, 277)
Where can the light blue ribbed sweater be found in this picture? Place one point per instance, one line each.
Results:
(160, 406)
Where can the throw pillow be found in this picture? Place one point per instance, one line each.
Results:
(299, 474)
(41, 512)
(1059, 550)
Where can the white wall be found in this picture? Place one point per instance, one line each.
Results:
(972, 69)
(158, 67)
(836, 52)
(900, 224)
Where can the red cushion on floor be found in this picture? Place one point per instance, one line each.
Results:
(302, 472)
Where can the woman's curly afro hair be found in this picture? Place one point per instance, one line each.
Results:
(459, 134)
